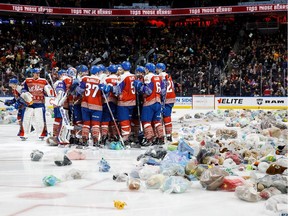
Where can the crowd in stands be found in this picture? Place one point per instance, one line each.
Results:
(224, 60)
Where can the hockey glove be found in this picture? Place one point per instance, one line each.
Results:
(74, 85)
(9, 102)
(137, 84)
(105, 88)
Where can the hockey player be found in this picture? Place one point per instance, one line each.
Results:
(151, 111)
(61, 124)
(74, 103)
(18, 100)
(39, 88)
(126, 99)
(82, 70)
(136, 129)
(108, 127)
(91, 105)
(168, 99)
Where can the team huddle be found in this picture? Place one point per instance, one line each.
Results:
(102, 104)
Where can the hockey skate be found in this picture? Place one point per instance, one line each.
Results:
(41, 138)
(23, 138)
(169, 138)
(146, 143)
(131, 145)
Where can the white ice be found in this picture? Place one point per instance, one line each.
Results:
(21, 179)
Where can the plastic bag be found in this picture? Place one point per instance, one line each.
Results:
(175, 184)
(172, 169)
(231, 182)
(147, 171)
(74, 174)
(277, 204)
(76, 154)
(247, 193)
(176, 157)
(134, 184)
(269, 192)
(213, 178)
(155, 181)
(184, 147)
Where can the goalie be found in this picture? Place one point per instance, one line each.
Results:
(34, 113)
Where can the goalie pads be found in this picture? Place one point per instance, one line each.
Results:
(60, 98)
(27, 97)
(65, 128)
(49, 91)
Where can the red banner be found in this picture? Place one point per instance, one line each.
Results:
(144, 12)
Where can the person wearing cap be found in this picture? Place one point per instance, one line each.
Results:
(34, 114)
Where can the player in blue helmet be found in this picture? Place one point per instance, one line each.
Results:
(160, 66)
(102, 67)
(112, 69)
(71, 72)
(95, 70)
(150, 67)
(62, 72)
(151, 111)
(126, 65)
(108, 127)
(168, 98)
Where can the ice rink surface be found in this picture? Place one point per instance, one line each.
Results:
(23, 193)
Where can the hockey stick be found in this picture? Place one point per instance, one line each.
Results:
(2, 101)
(118, 131)
(141, 132)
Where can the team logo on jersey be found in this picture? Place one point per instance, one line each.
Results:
(35, 88)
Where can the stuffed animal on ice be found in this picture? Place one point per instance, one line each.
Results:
(271, 132)
(250, 156)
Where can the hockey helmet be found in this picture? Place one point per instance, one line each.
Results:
(140, 69)
(71, 71)
(13, 81)
(126, 65)
(61, 72)
(150, 67)
(112, 69)
(35, 70)
(102, 67)
(95, 69)
(161, 66)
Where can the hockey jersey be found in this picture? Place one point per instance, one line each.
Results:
(36, 88)
(169, 93)
(125, 89)
(153, 82)
(111, 80)
(92, 97)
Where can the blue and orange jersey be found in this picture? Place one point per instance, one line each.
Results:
(111, 80)
(153, 82)
(170, 96)
(125, 89)
(92, 97)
